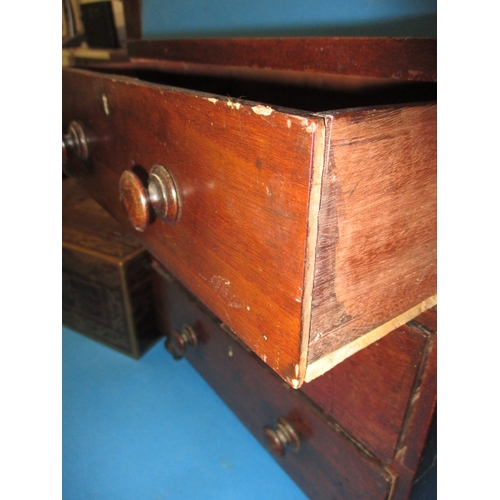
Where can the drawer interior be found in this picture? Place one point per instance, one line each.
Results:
(289, 89)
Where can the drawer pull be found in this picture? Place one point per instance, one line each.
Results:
(160, 196)
(177, 342)
(134, 198)
(163, 194)
(281, 437)
(75, 143)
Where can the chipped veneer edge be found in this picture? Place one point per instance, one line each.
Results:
(332, 359)
(318, 158)
(262, 110)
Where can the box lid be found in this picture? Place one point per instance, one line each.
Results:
(88, 227)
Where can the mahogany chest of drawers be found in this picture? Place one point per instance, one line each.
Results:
(290, 186)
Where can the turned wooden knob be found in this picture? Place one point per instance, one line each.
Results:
(160, 196)
(176, 342)
(281, 437)
(135, 200)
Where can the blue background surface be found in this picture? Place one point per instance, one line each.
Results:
(195, 18)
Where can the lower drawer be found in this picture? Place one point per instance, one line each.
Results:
(317, 453)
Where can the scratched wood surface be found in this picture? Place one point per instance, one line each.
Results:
(422, 408)
(376, 253)
(370, 392)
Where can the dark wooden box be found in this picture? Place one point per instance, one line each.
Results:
(106, 277)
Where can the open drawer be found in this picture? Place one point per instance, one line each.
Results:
(289, 184)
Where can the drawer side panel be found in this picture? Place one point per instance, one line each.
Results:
(376, 254)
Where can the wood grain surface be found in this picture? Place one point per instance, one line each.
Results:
(394, 58)
(368, 394)
(376, 254)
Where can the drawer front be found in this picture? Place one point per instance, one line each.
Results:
(244, 177)
(327, 464)
(369, 393)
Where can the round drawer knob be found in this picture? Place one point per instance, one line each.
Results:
(281, 437)
(75, 143)
(134, 198)
(163, 194)
(160, 195)
(176, 343)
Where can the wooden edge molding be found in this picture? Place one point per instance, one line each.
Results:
(100, 255)
(129, 311)
(332, 359)
(318, 161)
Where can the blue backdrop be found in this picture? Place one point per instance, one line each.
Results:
(188, 18)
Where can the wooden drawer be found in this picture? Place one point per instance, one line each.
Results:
(361, 427)
(310, 233)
